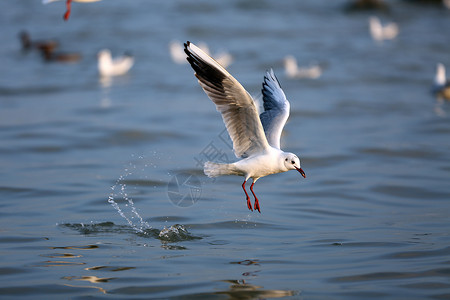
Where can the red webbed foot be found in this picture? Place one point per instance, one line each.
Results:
(256, 198)
(249, 204)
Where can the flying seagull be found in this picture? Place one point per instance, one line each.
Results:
(256, 138)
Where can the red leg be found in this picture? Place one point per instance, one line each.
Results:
(249, 204)
(67, 14)
(256, 198)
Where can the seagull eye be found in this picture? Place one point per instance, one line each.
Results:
(293, 162)
(285, 159)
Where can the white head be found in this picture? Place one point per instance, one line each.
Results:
(292, 162)
(440, 75)
(104, 54)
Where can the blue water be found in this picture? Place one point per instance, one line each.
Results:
(102, 195)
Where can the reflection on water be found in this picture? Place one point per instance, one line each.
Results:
(239, 289)
(92, 279)
(87, 287)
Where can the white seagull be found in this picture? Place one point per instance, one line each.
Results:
(293, 71)
(441, 87)
(107, 66)
(256, 138)
(380, 32)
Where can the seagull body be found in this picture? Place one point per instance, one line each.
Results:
(107, 66)
(256, 138)
(441, 86)
(293, 71)
(380, 32)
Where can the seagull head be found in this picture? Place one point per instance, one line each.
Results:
(292, 162)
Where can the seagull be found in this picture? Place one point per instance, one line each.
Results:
(293, 71)
(107, 66)
(256, 138)
(68, 5)
(380, 32)
(441, 87)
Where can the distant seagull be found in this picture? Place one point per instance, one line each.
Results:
(28, 44)
(256, 138)
(441, 87)
(178, 56)
(380, 32)
(293, 71)
(107, 66)
(64, 57)
(68, 5)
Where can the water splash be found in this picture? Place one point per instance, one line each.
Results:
(174, 233)
(140, 225)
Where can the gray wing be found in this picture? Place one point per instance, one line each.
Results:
(239, 112)
(276, 109)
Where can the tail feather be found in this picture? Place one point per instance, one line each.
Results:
(214, 169)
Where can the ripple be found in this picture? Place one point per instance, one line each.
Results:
(419, 254)
(441, 272)
(30, 90)
(403, 153)
(410, 192)
(233, 225)
(109, 268)
(11, 271)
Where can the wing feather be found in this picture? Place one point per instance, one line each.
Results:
(237, 107)
(276, 109)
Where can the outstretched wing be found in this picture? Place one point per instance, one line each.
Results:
(237, 107)
(276, 109)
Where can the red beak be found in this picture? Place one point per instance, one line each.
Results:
(301, 171)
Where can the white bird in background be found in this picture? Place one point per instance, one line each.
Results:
(178, 56)
(293, 71)
(441, 87)
(380, 32)
(68, 5)
(256, 138)
(107, 66)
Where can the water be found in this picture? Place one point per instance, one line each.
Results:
(370, 220)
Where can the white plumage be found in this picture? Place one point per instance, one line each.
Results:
(107, 66)
(441, 86)
(381, 32)
(293, 71)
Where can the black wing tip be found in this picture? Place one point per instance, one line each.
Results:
(190, 57)
(186, 50)
(203, 70)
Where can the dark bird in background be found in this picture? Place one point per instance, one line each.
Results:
(28, 44)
